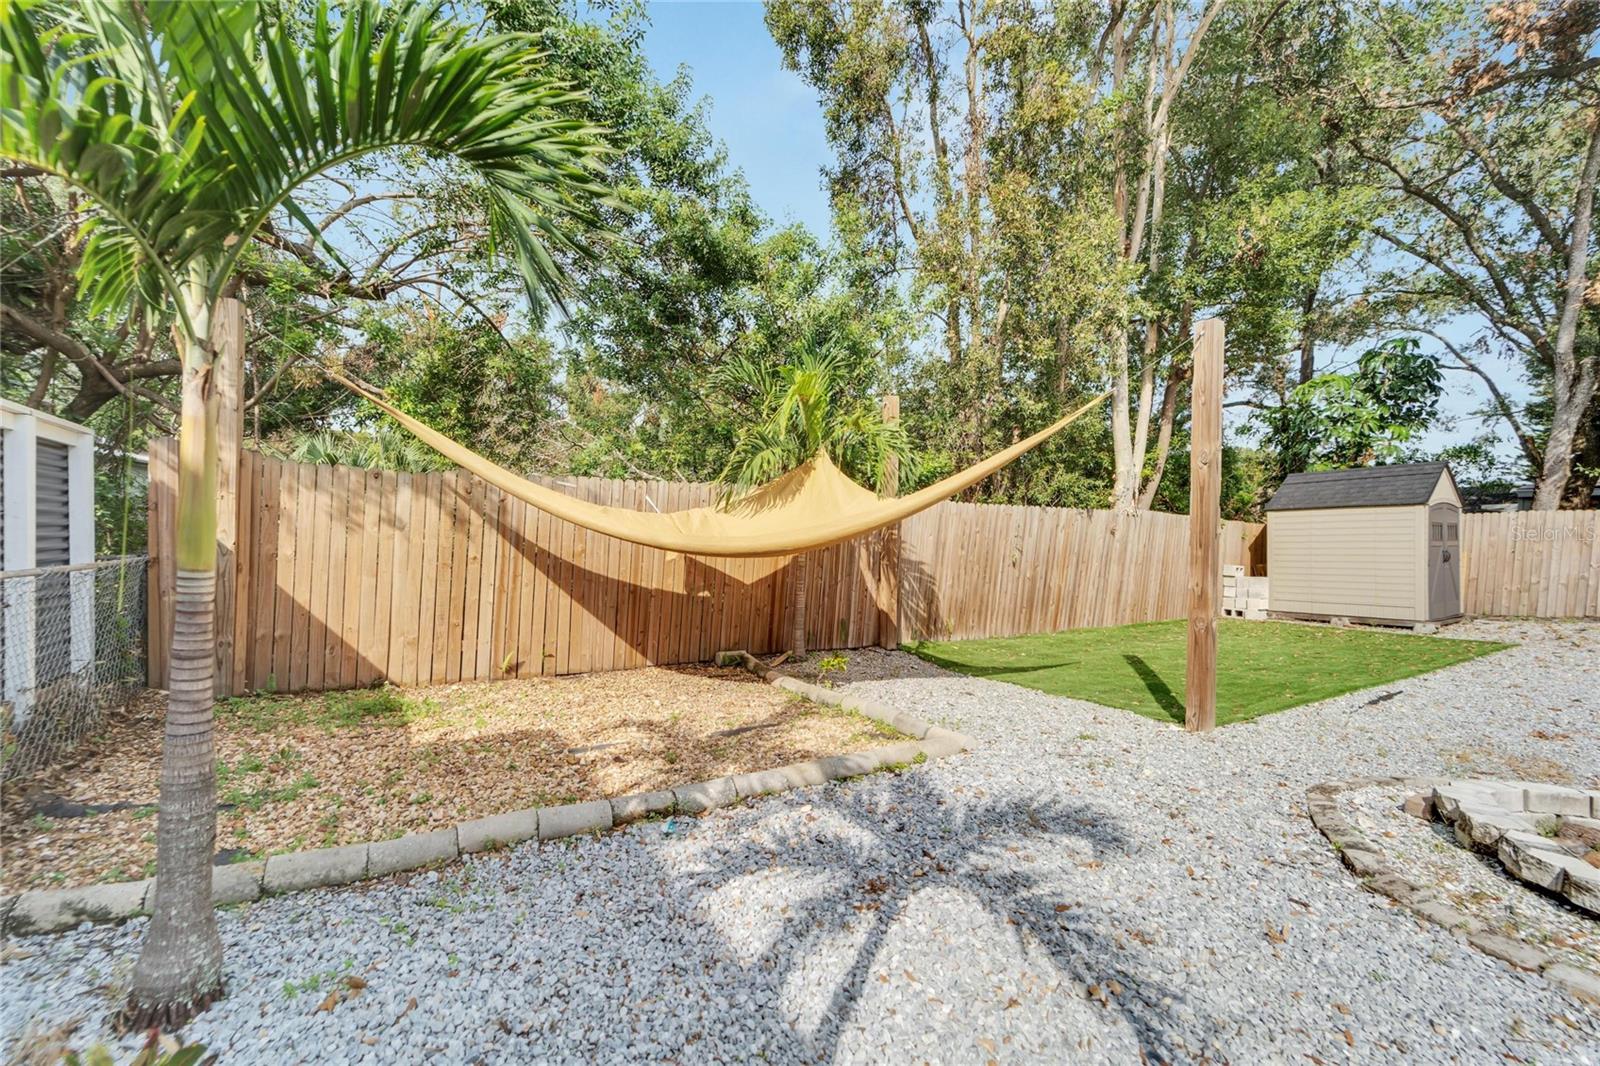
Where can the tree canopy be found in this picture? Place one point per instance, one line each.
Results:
(1029, 204)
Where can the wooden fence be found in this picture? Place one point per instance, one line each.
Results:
(981, 570)
(342, 577)
(1535, 564)
(339, 577)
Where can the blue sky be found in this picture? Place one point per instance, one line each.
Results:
(772, 126)
(768, 118)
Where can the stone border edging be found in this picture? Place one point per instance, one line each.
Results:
(56, 909)
(1366, 860)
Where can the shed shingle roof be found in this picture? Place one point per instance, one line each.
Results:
(1376, 486)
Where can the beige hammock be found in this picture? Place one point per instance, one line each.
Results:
(812, 506)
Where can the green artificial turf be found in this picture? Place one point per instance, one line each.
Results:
(1261, 666)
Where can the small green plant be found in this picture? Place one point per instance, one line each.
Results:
(837, 663)
(152, 1054)
(1548, 827)
(255, 799)
(285, 758)
(291, 989)
(399, 929)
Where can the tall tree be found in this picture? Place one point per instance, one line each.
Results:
(1483, 127)
(188, 126)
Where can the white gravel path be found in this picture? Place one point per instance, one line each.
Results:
(1088, 886)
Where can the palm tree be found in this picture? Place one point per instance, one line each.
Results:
(792, 411)
(189, 126)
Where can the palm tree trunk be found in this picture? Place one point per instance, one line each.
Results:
(797, 630)
(179, 971)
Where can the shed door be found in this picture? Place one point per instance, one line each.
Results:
(1444, 561)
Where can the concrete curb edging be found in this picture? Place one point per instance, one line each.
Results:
(57, 909)
(1367, 861)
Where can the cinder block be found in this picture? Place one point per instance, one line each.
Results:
(512, 827)
(570, 819)
(411, 852)
(316, 869)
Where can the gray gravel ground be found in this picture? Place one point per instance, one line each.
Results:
(1088, 886)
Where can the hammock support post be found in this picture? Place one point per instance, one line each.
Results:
(1205, 522)
(227, 395)
(889, 560)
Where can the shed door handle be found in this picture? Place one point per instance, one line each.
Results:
(1447, 555)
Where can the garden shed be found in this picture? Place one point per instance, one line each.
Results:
(1379, 544)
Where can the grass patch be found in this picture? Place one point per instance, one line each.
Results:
(328, 711)
(1262, 667)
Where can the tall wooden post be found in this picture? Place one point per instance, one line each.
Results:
(889, 559)
(227, 332)
(1205, 521)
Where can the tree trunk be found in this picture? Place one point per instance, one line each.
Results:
(1124, 477)
(1308, 336)
(1169, 413)
(1573, 377)
(797, 625)
(1558, 450)
(179, 971)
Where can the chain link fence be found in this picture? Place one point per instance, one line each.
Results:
(72, 644)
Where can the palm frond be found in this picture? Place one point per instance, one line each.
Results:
(190, 124)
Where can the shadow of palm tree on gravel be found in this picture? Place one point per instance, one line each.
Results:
(879, 875)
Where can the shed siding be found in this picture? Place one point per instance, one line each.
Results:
(1361, 562)
(1445, 492)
